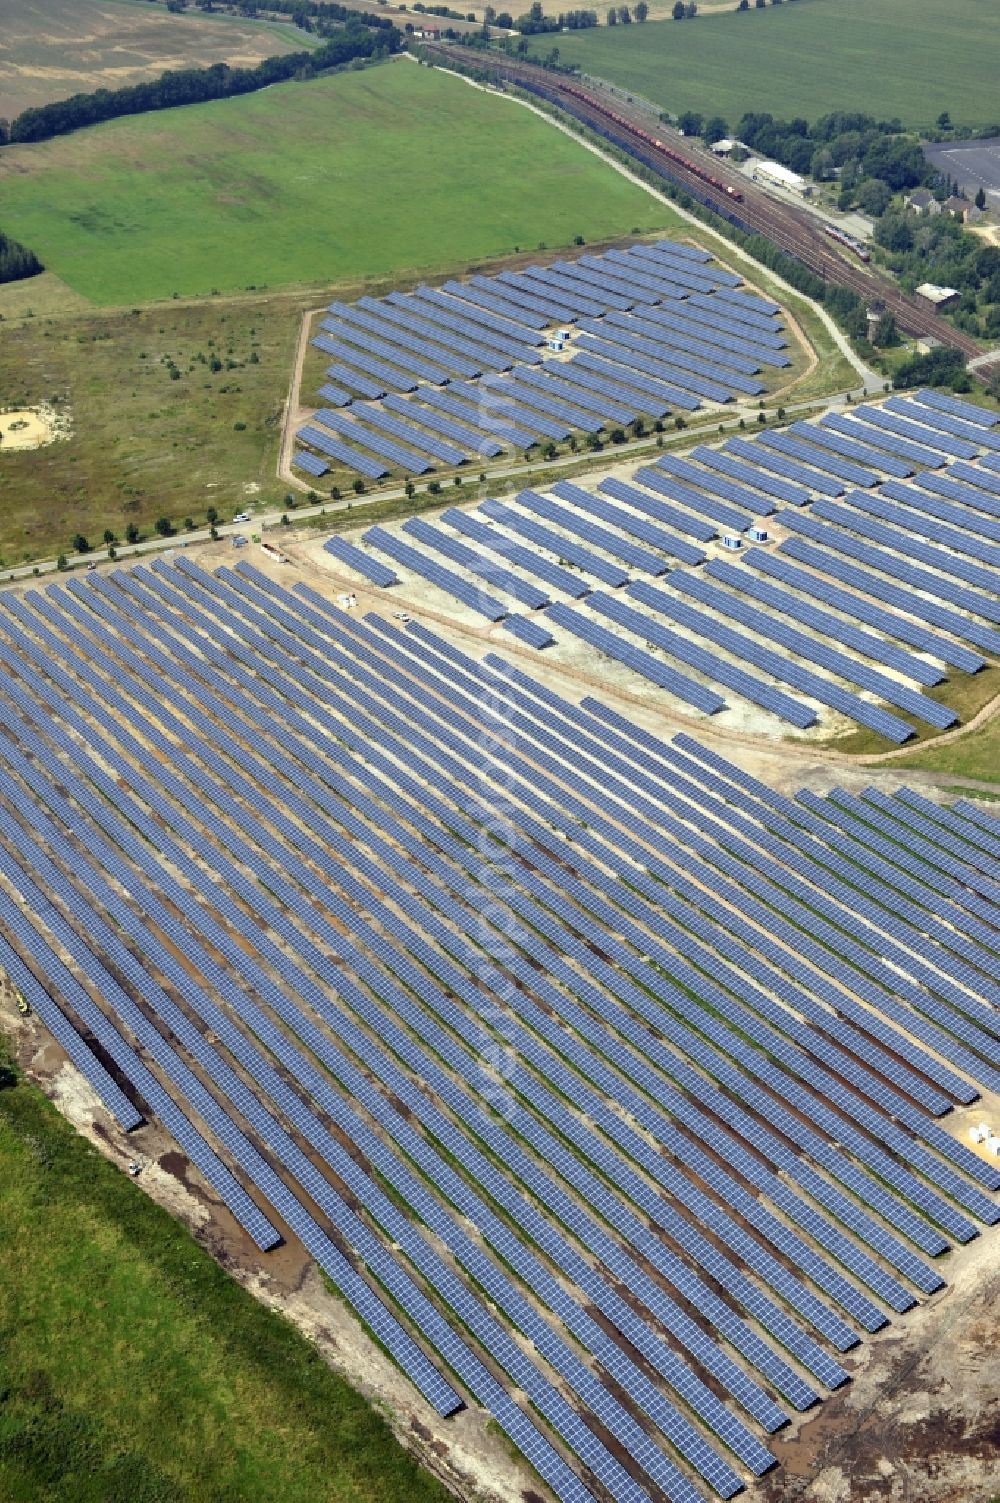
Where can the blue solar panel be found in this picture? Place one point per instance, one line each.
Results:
(495, 303)
(475, 416)
(443, 343)
(442, 311)
(862, 609)
(625, 359)
(516, 334)
(964, 484)
(801, 610)
(335, 395)
(460, 553)
(657, 509)
(760, 454)
(428, 360)
(375, 339)
(704, 660)
(590, 272)
(488, 537)
(944, 422)
(564, 548)
(376, 417)
(652, 325)
(871, 583)
(406, 459)
(355, 754)
(663, 477)
(527, 296)
(476, 599)
(649, 280)
(546, 282)
(876, 459)
(689, 278)
(771, 485)
(528, 631)
(917, 433)
(471, 442)
(638, 393)
(764, 329)
(750, 302)
(819, 458)
(967, 410)
(348, 355)
(811, 650)
(356, 558)
(713, 339)
(779, 665)
(550, 509)
(532, 396)
(635, 526)
(354, 381)
(631, 337)
(492, 396)
(635, 658)
(452, 334)
(965, 532)
(852, 519)
(352, 458)
(302, 460)
(560, 381)
(918, 454)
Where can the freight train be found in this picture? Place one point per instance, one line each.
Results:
(668, 151)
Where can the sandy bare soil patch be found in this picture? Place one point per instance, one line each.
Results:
(29, 428)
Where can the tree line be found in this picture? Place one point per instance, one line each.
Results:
(17, 261)
(195, 85)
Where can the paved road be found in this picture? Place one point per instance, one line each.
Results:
(612, 455)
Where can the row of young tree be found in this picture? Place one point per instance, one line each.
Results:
(622, 14)
(194, 85)
(17, 261)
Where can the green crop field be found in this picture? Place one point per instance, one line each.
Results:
(387, 169)
(906, 58)
(134, 1370)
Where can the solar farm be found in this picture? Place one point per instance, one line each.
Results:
(621, 1095)
(492, 366)
(806, 582)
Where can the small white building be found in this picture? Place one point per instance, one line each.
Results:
(774, 175)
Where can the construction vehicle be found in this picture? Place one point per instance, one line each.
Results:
(23, 1006)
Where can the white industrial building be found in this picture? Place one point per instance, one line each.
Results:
(773, 174)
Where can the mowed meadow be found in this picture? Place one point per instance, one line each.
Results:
(905, 58)
(389, 169)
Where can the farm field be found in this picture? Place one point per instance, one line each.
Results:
(114, 1319)
(50, 49)
(292, 186)
(807, 59)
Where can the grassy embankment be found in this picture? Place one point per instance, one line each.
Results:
(135, 1370)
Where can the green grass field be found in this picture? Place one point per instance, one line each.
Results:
(911, 58)
(974, 756)
(134, 1370)
(387, 169)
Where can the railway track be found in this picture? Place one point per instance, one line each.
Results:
(730, 193)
